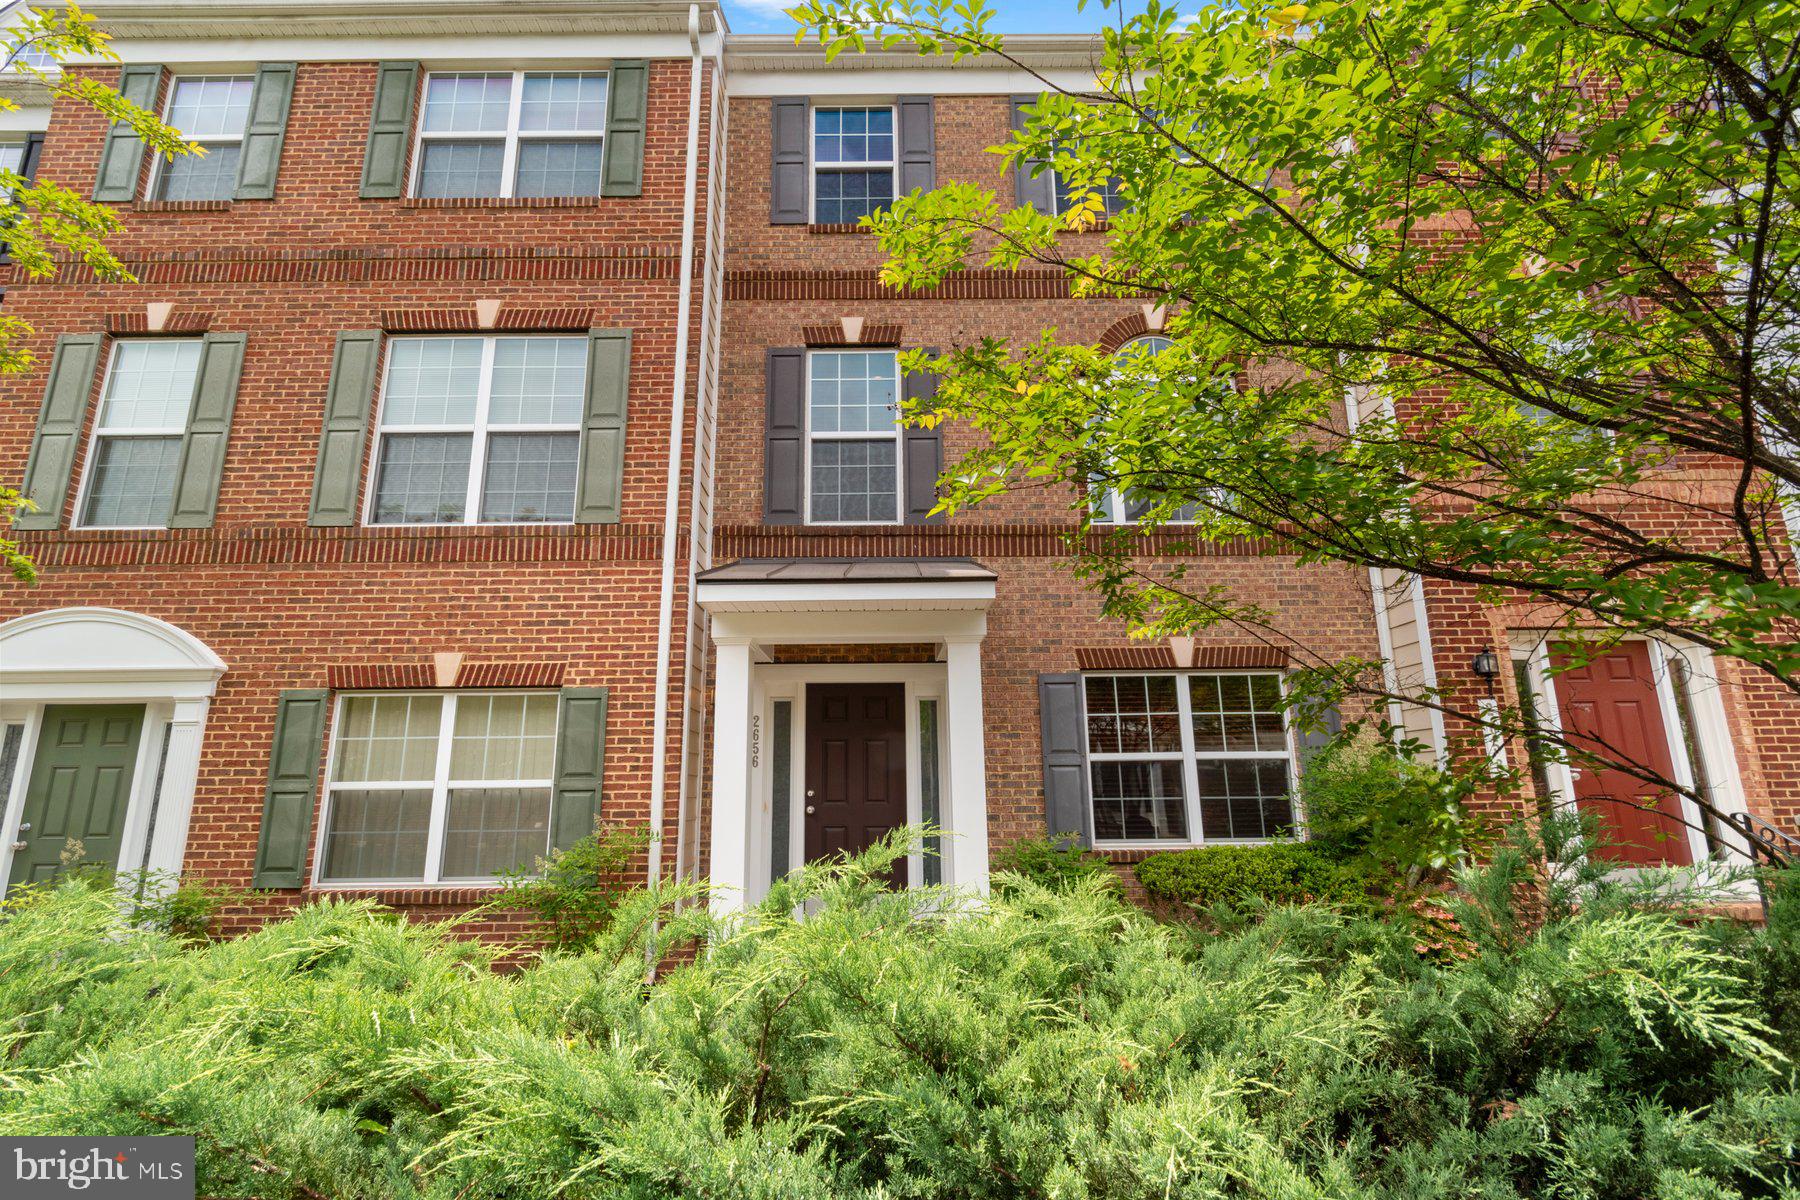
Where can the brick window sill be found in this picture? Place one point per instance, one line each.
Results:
(502, 202)
(839, 228)
(156, 206)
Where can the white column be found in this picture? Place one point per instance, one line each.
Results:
(731, 775)
(966, 854)
(167, 848)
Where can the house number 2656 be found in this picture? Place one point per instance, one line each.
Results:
(756, 740)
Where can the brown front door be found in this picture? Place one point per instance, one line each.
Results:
(1609, 707)
(855, 766)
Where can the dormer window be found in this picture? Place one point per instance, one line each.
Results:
(511, 133)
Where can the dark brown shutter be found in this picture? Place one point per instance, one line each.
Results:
(789, 118)
(917, 145)
(1031, 190)
(784, 437)
(580, 765)
(924, 450)
(292, 786)
(1067, 813)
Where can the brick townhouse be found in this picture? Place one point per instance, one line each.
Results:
(501, 435)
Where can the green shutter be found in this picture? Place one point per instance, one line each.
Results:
(627, 95)
(390, 130)
(351, 393)
(122, 157)
(580, 763)
(209, 425)
(60, 419)
(293, 783)
(260, 158)
(599, 485)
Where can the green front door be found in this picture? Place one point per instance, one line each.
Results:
(80, 786)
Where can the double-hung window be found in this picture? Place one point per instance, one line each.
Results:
(853, 437)
(853, 163)
(434, 787)
(137, 438)
(213, 111)
(1066, 195)
(512, 133)
(1115, 505)
(1188, 758)
(479, 429)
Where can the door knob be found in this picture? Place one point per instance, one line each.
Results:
(19, 846)
(24, 826)
(809, 792)
(809, 808)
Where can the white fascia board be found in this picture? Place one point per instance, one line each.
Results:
(25, 120)
(974, 594)
(898, 81)
(449, 52)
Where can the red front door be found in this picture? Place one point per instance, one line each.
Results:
(855, 766)
(1609, 707)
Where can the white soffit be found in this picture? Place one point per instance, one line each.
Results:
(922, 595)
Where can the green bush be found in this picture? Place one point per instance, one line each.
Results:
(573, 895)
(1390, 812)
(899, 1044)
(1050, 863)
(1278, 872)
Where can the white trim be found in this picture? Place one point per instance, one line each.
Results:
(898, 436)
(512, 136)
(775, 598)
(159, 163)
(441, 785)
(478, 430)
(110, 656)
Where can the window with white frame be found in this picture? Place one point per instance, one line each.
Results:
(479, 430)
(213, 111)
(1184, 758)
(435, 787)
(853, 163)
(1119, 506)
(853, 436)
(130, 479)
(1066, 194)
(511, 133)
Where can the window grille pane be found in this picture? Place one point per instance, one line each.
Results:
(530, 477)
(467, 103)
(424, 478)
(563, 102)
(853, 393)
(377, 834)
(853, 481)
(453, 169)
(1133, 714)
(1067, 194)
(538, 381)
(388, 739)
(491, 831)
(1237, 712)
(150, 386)
(133, 481)
(209, 176)
(504, 737)
(853, 135)
(558, 169)
(1139, 800)
(847, 196)
(1245, 798)
(432, 381)
(202, 108)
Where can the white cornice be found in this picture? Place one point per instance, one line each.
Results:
(129, 20)
(752, 53)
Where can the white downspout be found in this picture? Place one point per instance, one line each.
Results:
(665, 618)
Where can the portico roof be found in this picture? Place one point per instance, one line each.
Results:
(845, 584)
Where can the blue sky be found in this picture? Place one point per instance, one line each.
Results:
(1011, 16)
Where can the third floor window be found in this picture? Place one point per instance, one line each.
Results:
(513, 133)
(211, 110)
(853, 163)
